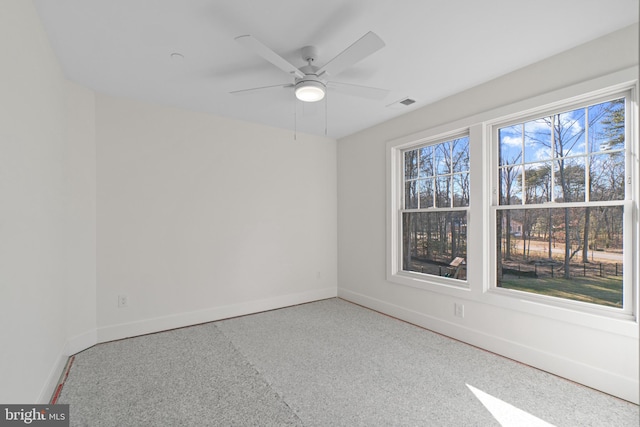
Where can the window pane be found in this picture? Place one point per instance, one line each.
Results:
(569, 176)
(607, 124)
(410, 195)
(570, 130)
(570, 253)
(411, 164)
(426, 193)
(538, 183)
(443, 192)
(432, 241)
(511, 185)
(461, 189)
(460, 150)
(426, 162)
(510, 145)
(537, 140)
(606, 176)
(442, 158)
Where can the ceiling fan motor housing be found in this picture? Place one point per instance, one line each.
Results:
(311, 87)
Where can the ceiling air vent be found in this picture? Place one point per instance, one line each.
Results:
(402, 102)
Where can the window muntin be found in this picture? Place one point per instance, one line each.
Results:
(434, 208)
(560, 205)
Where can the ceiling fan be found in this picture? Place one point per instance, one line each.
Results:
(310, 81)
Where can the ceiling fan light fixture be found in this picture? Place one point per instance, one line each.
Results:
(310, 90)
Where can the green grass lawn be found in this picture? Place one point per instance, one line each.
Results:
(596, 290)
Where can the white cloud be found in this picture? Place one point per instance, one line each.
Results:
(511, 141)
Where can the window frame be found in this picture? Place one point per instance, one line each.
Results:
(480, 218)
(629, 203)
(395, 272)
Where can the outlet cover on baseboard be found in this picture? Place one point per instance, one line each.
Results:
(458, 310)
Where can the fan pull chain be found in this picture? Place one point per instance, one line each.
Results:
(295, 120)
(326, 101)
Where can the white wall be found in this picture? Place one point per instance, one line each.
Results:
(201, 218)
(46, 217)
(592, 355)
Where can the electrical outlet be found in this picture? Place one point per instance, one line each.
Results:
(458, 310)
(123, 301)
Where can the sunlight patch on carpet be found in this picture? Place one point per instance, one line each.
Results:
(507, 415)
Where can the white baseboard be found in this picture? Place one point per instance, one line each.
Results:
(147, 326)
(90, 338)
(73, 345)
(81, 342)
(51, 383)
(591, 376)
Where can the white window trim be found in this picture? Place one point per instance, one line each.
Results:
(395, 191)
(629, 92)
(479, 217)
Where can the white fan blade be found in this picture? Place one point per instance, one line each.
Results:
(363, 47)
(256, 89)
(357, 90)
(256, 46)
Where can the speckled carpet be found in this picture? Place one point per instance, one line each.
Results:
(327, 363)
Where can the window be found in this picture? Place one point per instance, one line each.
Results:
(563, 216)
(532, 206)
(434, 208)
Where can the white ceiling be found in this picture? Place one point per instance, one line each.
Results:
(434, 48)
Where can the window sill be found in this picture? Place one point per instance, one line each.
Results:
(437, 284)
